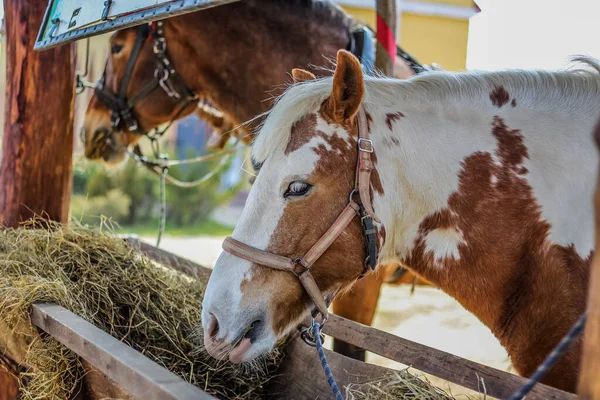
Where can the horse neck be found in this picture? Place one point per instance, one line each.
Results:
(457, 191)
(242, 70)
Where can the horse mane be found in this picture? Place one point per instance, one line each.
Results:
(570, 90)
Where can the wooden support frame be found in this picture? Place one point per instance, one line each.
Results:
(134, 372)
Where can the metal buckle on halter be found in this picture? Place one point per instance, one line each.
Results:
(368, 148)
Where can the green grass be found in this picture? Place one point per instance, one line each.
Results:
(207, 228)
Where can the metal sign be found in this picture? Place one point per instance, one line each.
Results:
(69, 20)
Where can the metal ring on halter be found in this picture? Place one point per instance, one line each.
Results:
(307, 333)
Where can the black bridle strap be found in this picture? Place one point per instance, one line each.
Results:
(164, 75)
(142, 35)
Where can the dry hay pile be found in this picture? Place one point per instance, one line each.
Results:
(154, 309)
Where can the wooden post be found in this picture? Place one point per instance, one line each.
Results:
(385, 55)
(589, 379)
(36, 168)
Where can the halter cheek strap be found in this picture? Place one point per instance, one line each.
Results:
(301, 266)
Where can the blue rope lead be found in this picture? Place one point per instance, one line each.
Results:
(549, 362)
(324, 364)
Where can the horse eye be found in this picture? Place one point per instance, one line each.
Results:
(297, 188)
(116, 48)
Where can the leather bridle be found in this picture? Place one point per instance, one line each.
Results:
(301, 266)
(164, 77)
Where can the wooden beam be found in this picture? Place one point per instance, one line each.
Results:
(137, 374)
(36, 169)
(385, 50)
(499, 384)
(589, 379)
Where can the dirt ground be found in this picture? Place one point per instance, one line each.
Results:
(429, 316)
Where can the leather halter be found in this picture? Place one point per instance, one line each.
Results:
(164, 77)
(301, 266)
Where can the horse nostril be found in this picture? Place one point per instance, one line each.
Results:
(213, 325)
(253, 330)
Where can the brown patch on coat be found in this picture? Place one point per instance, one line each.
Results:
(513, 103)
(391, 117)
(303, 131)
(499, 96)
(509, 275)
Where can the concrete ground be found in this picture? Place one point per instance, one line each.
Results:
(429, 316)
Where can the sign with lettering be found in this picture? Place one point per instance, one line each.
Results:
(69, 20)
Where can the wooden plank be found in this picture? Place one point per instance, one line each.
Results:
(589, 379)
(137, 374)
(301, 376)
(499, 384)
(171, 260)
(36, 170)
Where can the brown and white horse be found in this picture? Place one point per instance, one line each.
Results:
(237, 57)
(482, 183)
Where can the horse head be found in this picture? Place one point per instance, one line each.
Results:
(307, 152)
(140, 90)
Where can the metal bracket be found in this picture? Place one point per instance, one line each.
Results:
(107, 5)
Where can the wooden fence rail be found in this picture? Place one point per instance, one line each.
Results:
(134, 372)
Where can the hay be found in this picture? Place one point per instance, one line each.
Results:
(105, 281)
(400, 385)
(153, 309)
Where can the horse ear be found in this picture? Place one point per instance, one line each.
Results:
(302, 75)
(348, 88)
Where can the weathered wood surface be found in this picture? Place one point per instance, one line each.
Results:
(36, 169)
(301, 375)
(499, 384)
(589, 380)
(137, 374)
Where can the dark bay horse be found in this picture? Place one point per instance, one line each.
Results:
(237, 57)
(481, 182)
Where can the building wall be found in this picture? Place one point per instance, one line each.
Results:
(432, 32)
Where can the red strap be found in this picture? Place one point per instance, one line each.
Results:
(386, 37)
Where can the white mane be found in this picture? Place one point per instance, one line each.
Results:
(563, 91)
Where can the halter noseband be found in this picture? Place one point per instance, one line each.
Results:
(301, 266)
(164, 77)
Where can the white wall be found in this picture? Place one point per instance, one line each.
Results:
(532, 33)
